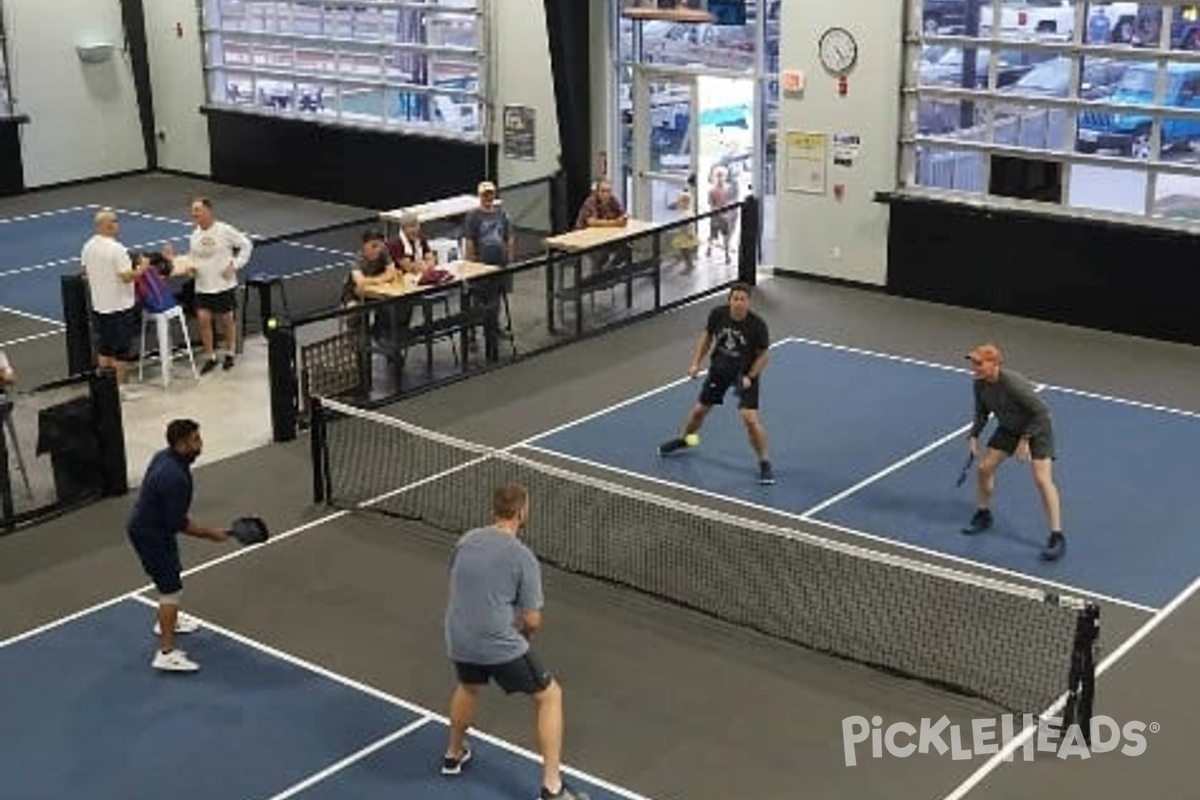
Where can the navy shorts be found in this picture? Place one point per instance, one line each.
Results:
(219, 302)
(115, 332)
(523, 675)
(1041, 446)
(718, 382)
(159, 553)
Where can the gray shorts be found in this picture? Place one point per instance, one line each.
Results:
(1041, 446)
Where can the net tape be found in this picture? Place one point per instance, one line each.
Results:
(1005, 642)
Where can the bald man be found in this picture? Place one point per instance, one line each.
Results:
(110, 273)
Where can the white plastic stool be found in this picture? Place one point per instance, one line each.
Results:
(162, 321)
(446, 250)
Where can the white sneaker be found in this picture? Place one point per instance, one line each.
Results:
(174, 661)
(183, 624)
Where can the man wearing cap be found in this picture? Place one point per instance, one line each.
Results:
(488, 232)
(1024, 428)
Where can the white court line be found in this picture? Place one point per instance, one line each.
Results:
(888, 470)
(124, 212)
(606, 410)
(51, 213)
(1007, 751)
(1017, 577)
(379, 694)
(350, 760)
(27, 315)
(934, 365)
(58, 262)
(32, 337)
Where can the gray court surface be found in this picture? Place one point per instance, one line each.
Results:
(665, 702)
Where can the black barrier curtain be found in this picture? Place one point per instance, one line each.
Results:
(568, 32)
(133, 18)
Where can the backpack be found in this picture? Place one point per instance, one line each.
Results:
(153, 292)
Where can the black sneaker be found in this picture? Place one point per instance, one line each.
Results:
(228, 362)
(209, 366)
(980, 521)
(452, 765)
(766, 475)
(1055, 547)
(671, 445)
(564, 793)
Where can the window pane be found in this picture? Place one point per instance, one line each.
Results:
(1107, 189)
(720, 46)
(1177, 197)
(944, 168)
(1048, 20)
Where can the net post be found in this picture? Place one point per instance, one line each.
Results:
(281, 370)
(318, 450)
(1082, 681)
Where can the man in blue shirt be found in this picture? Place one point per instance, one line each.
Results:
(495, 607)
(161, 512)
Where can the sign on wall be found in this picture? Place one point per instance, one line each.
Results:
(519, 129)
(807, 157)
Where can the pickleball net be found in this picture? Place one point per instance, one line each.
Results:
(1021, 648)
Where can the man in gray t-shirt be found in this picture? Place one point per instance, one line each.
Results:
(1024, 428)
(495, 606)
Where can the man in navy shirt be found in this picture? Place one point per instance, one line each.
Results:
(161, 512)
(739, 341)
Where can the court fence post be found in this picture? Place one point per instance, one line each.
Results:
(748, 241)
(281, 369)
(78, 331)
(316, 442)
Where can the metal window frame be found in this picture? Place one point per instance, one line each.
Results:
(215, 31)
(988, 99)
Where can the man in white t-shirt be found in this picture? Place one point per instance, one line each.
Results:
(110, 274)
(216, 252)
(7, 375)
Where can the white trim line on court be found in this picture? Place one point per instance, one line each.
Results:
(51, 213)
(975, 778)
(1017, 577)
(58, 262)
(125, 212)
(27, 315)
(353, 758)
(1122, 401)
(888, 470)
(379, 694)
(32, 337)
(616, 406)
(64, 620)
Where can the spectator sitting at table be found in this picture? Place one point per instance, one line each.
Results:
(375, 268)
(601, 209)
(410, 250)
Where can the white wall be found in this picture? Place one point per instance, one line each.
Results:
(522, 76)
(177, 83)
(83, 117)
(817, 234)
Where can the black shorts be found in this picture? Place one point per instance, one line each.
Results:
(218, 303)
(718, 382)
(524, 675)
(114, 332)
(1041, 446)
(159, 553)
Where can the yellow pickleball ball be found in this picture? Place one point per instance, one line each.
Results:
(692, 439)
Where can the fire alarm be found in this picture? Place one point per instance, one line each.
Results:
(843, 86)
(179, 30)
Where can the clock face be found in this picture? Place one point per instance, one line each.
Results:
(838, 50)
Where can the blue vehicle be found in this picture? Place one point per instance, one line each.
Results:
(1129, 133)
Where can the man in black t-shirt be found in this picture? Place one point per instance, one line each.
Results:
(739, 341)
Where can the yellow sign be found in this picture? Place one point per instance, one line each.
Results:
(807, 160)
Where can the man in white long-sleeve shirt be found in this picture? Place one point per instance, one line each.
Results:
(217, 251)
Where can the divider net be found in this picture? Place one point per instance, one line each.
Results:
(1021, 648)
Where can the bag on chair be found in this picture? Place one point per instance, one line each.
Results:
(153, 292)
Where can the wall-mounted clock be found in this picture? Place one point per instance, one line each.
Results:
(838, 50)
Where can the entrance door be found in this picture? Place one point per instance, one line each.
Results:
(689, 126)
(664, 141)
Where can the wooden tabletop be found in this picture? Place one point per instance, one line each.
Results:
(462, 270)
(586, 238)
